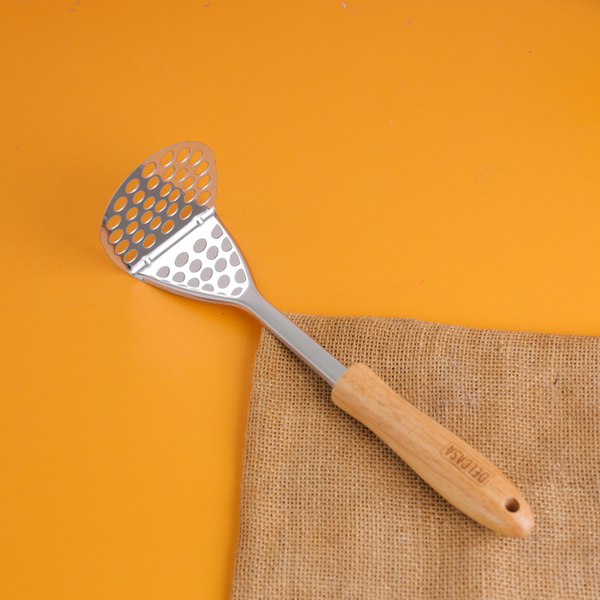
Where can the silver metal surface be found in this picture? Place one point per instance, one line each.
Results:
(161, 226)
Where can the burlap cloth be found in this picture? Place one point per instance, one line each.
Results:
(328, 511)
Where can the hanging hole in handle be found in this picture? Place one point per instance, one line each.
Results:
(511, 505)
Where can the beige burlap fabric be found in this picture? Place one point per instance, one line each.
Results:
(328, 511)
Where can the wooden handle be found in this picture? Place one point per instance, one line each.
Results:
(449, 465)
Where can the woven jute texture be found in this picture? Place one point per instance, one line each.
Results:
(329, 511)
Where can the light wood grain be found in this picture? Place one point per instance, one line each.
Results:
(453, 468)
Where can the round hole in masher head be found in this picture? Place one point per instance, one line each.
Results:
(132, 227)
(155, 223)
(195, 158)
(199, 245)
(172, 210)
(204, 197)
(186, 212)
(113, 222)
(189, 196)
(166, 228)
(148, 169)
(120, 203)
(201, 168)
(181, 259)
(130, 256)
(132, 213)
(152, 183)
(133, 185)
(138, 236)
(168, 173)
(511, 505)
(138, 197)
(203, 181)
(149, 202)
(147, 216)
(122, 246)
(174, 195)
(149, 241)
(160, 206)
(115, 236)
(187, 183)
(183, 154)
(165, 189)
(180, 174)
(167, 158)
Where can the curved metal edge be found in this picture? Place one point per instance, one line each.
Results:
(207, 155)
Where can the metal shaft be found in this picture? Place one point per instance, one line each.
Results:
(301, 344)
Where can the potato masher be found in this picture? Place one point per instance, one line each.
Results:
(161, 227)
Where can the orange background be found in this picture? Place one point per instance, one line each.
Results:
(436, 160)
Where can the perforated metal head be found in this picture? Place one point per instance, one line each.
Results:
(161, 226)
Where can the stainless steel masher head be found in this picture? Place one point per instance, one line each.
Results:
(161, 226)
